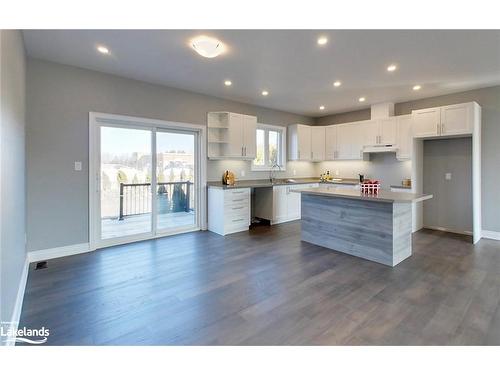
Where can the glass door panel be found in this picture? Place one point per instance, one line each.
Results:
(175, 173)
(125, 191)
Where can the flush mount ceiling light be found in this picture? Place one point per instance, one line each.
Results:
(102, 49)
(265, 93)
(321, 107)
(392, 68)
(228, 83)
(362, 99)
(322, 40)
(337, 83)
(207, 46)
(417, 87)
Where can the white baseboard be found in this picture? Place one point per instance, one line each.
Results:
(58, 252)
(442, 229)
(492, 235)
(16, 314)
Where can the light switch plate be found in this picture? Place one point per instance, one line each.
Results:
(242, 173)
(78, 166)
(447, 176)
(294, 172)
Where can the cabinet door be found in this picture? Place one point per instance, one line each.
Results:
(304, 142)
(357, 133)
(331, 142)
(234, 147)
(457, 119)
(317, 143)
(405, 137)
(426, 122)
(344, 140)
(387, 131)
(293, 203)
(280, 203)
(249, 136)
(371, 134)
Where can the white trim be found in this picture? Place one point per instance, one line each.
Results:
(58, 252)
(492, 235)
(443, 229)
(16, 314)
(95, 120)
(283, 151)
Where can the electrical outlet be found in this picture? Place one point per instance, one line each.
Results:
(242, 173)
(447, 176)
(78, 166)
(294, 172)
(337, 172)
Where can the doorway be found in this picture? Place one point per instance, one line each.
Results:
(147, 179)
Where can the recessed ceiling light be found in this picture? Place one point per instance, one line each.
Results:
(322, 40)
(417, 87)
(265, 93)
(362, 99)
(321, 107)
(392, 68)
(228, 83)
(337, 83)
(207, 46)
(103, 50)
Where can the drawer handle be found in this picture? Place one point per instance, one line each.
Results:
(238, 208)
(238, 192)
(235, 220)
(238, 200)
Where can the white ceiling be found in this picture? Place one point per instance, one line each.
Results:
(297, 72)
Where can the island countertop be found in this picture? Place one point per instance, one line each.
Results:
(382, 196)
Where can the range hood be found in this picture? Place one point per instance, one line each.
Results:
(381, 111)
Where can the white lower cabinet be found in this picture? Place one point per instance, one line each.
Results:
(228, 210)
(286, 203)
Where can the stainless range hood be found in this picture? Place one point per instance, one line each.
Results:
(381, 111)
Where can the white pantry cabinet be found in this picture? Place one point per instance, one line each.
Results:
(299, 142)
(457, 119)
(231, 136)
(228, 210)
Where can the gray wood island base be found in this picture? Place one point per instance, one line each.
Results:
(374, 227)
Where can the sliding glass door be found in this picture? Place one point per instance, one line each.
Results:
(147, 181)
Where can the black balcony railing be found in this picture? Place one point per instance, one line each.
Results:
(135, 199)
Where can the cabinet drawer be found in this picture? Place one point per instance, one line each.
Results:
(236, 195)
(236, 210)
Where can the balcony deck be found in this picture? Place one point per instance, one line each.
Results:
(136, 224)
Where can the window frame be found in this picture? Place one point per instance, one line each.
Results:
(282, 143)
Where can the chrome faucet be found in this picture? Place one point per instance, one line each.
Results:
(271, 174)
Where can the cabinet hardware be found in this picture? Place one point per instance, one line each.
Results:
(442, 128)
(238, 208)
(238, 200)
(437, 128)
(235, 220)
(312, 155)
(298, 152)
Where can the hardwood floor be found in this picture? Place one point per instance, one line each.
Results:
(266, 287)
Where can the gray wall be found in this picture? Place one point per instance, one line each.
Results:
(59, 100)
(489, 100)
(12, 179)
(451, 207)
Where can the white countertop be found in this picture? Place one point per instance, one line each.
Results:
(382, 196)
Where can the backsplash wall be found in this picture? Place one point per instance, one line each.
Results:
(215, 169)
(383, 167)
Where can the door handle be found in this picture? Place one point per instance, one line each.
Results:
(442, 128)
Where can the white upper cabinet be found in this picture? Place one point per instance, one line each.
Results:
(380, 132)
(299, 142)
(231, 135)
(350, 139)
(249, 136)
(457, 119)
(318, 143)
(404, 137)
(388, 131)
(426, 122)
(331, 142)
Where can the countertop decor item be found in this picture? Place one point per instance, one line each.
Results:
(228, 178)
(370, 187)
(406, 182)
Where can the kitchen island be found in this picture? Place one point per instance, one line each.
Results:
(374, 227)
